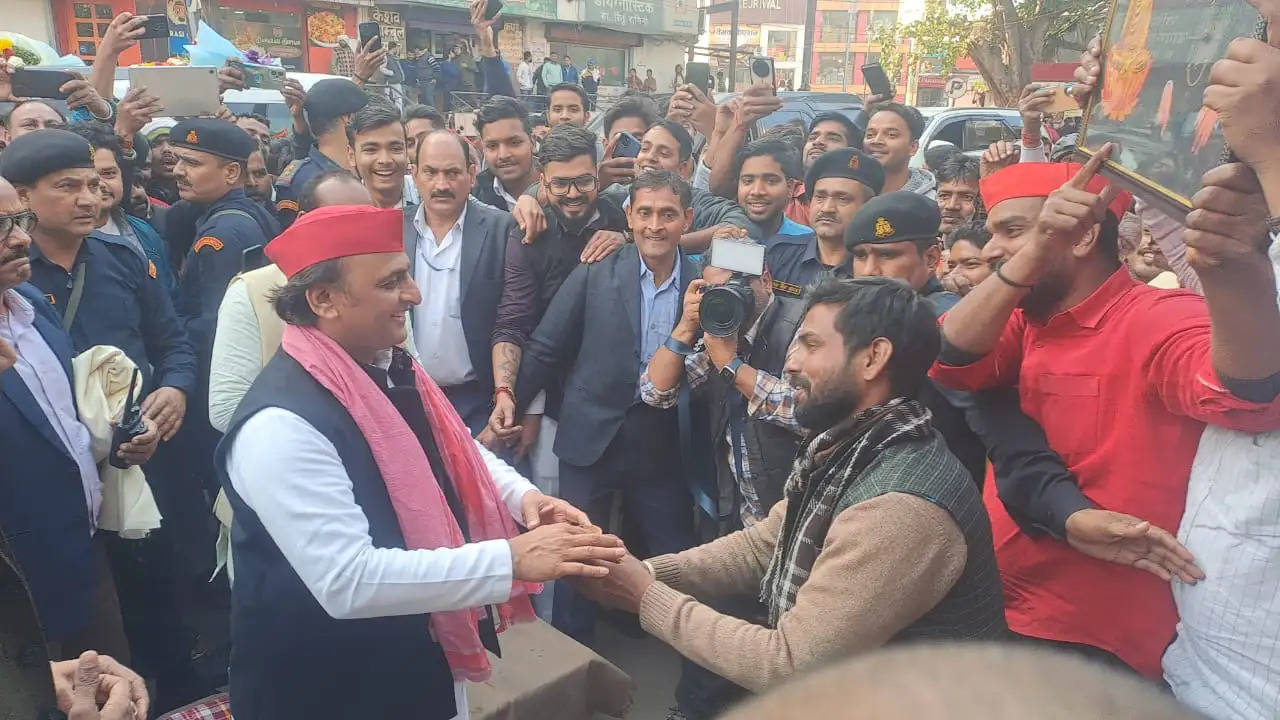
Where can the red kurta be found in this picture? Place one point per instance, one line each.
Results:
(1123, 384)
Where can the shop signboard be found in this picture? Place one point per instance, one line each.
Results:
(391, 24)
(524, 8)
(646, 17)
(277, 34)
(722, 34)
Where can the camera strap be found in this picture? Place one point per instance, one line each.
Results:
(77, 292)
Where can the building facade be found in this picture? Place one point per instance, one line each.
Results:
(844, 39)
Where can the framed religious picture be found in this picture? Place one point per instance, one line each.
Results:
(1155, 65)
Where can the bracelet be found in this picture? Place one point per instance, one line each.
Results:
(1000, 274)
(503, 389)
(678, 347)
(649, 566)
(110, 113)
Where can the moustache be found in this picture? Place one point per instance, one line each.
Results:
(826, 217)
(443, 195)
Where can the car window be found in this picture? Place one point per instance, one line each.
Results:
(277, 113)
(979, 133)
(951, 131)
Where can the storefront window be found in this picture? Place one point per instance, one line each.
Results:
(276, 33)
(782, 45)
(834, 27)
(831, 69)
(612, 61)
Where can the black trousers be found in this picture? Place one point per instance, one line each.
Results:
(643, 463)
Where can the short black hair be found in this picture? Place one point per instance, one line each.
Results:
(256, 116)
(791, 133)
(9, 116)
(462, 143)
(375, 115)
(880, 307)
(307, 196)
(638, 107)
(974, 232)
(935, 156)
(290, 300)
(1109, 237)
(663, 179)
(501, 107)
(566, 142)
(425, 112)
(909, 115)
(959, 168)
(571, 87)
(279, 155)
(538, 120)
(853, 135)
(786, 155)
(682, 136)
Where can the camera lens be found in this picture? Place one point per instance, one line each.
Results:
(723, 308)
(760, 68)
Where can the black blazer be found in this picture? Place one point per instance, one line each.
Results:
(591, 335)
(484, 248)
(42, 506)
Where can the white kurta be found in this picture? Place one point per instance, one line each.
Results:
(293, 478)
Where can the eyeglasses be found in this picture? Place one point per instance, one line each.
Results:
(560, 186)
(24, 221)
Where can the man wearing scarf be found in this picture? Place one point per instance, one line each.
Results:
(375, 541)
(881, 535)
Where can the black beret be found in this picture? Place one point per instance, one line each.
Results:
(846, 163)
(895, 217)
(333, 97)
(216, 137)
(39, 153)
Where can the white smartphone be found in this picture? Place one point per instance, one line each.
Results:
(183, 91)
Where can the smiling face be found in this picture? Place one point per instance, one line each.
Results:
(574, 205)
(966, 261)
(659, 150)
(365, 311)
(889, 140)
(110, 182)
(564, 107)
(382, 158)
(202, 177)
(65, 202)
(657, 220)
(825, 135)
(508, 150)
(958, 201)
(1148, 261)
(763, 189)
(820, 369)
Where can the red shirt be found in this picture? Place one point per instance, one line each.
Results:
(1123, 385)
(798, 207)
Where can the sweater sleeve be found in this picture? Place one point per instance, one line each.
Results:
(885, 563)
(731, 565)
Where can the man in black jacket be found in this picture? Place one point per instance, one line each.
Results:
(506, 138)
(605, 323)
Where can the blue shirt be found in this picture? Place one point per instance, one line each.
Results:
(659, 307)
(570, 74)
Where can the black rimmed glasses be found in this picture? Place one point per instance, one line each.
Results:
(24, 221)
(560, 186)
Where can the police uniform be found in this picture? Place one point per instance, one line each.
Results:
(229, 235)
(327, 99)
(117, 299)
(899, 217)
(801, 265)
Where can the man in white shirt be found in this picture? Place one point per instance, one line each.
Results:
(375, 540)
(524, 74)
(457, 247)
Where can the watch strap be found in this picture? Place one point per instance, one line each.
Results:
(677, 347)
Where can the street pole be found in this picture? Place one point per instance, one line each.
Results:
(851, 23)
(732, 6)
(806, 64)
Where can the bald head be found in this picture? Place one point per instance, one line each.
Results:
(443, 174)
(977, 681)
(334, 187)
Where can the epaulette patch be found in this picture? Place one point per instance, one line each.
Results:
(287, 176)
(287, 205)
(207, 241)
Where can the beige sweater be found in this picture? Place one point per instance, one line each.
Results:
(885, 563)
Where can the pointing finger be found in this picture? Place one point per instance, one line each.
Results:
(1090, 169)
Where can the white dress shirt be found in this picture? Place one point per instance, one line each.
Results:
(48, 383)
(437, 320)
(502, 193)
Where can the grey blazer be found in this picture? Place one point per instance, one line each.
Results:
(484, 247)
(590, 335)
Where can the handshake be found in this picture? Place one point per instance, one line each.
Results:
(562, 542)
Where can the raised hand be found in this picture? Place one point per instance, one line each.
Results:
(1228, 222)
(136, 110)
(122, 33)
(1001, 154)
(82, 94)
(1244, 89)
(1032, 103)
(1072, 210)
(368, 60)
(1087, 72)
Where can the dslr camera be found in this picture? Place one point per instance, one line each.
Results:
(724, 308)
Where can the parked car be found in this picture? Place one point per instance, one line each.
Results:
(972, 130)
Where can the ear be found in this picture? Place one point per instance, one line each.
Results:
(627, 210)
(766, 277)
(234, 173)
(323, 301)
(1085, 245)
(875, 360)
(932, 256)
(688, 219)
(24, 194)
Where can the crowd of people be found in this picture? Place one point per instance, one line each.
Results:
(780, 395)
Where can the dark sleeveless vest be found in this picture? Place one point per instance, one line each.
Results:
(290, 659)
(974, 607)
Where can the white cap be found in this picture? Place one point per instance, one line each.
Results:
(158, 127)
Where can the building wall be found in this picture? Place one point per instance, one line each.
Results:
(662, 54)
(830, 45)
(33, 18)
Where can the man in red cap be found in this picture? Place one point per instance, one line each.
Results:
(1123, 378)
(376, 542)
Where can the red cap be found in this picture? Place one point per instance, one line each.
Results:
(336, 231)
(1040, 179)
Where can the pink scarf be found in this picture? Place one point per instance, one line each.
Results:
(420, 505)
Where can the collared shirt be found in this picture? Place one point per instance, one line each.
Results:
(45, 378)
(772, 400)
(786, 249)
(437, 320)
(1123, 384)
(659, 308)
(502, 193)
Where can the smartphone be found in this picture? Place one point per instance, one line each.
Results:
(762, 70)
(492, 8)
(877, 81)
(1061, 101)
(41, 83)
(627, 146)
(369, 30)
(268, 77)
(156, 26)
(698, 74)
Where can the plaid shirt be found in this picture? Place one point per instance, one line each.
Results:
(214, 707)
(772, 401)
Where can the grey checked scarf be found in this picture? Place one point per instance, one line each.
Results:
(827, 465)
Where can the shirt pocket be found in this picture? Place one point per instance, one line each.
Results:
(1070, 407)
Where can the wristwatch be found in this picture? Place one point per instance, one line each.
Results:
(730, 372)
